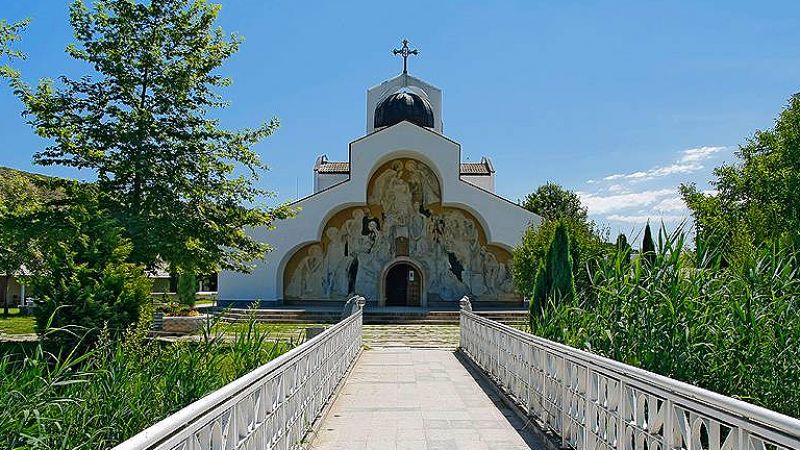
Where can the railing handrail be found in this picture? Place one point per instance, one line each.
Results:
(727, 405)
(765, 422)
(203, 408)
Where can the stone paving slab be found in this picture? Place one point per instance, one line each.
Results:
(421, 336)
(406, 398)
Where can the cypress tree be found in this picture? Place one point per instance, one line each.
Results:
(648, 247)
(540, 290)
(623, 250)
(554, 280)
(559, 260)
(622, 242)
(187, 289)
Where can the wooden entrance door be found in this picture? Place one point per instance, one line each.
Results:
(403, 286)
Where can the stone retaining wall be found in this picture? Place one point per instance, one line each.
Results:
(183, 325)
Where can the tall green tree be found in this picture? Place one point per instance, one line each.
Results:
(182, 187)
(552, 202)
(554, 280)
(648, 246)
(755, 198)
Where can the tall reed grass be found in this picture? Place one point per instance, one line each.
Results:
(733, 330)
(99, 398)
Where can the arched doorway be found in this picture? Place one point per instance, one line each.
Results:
(403, 285)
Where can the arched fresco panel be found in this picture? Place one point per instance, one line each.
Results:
(403, 216)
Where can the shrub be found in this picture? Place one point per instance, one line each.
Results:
(187, 289)
(99, 398)
(84, 283)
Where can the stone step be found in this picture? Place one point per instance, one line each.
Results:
(313, 315)
(415, 336)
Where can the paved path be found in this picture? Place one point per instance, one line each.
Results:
(405, 398)
(421, 336)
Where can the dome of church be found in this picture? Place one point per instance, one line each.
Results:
(402, 106)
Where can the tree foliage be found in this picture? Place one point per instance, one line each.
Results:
(180, 185)
(552, 202)
(9, 35)
(19, 198)
(756, 197)
(554, 279)
(84, 281)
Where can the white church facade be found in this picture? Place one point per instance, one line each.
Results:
(403, 222)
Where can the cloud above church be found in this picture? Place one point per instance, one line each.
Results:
(689, 162)
(633, 198)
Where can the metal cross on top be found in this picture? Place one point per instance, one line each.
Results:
(405, 53)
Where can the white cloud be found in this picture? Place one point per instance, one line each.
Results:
(670, 205)
(644, 218)
(618, 189)
(657, 172)
(689, 162)
(604, 204)
(699, 153)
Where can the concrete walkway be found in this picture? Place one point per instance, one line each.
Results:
(420, 336)
(407, 398)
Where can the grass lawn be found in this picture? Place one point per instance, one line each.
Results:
(279, 330)
(16, 323)
(230, 327)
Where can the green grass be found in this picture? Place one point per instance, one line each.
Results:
(100, 398)
(16, 323)
(733, 330)
(281, 328)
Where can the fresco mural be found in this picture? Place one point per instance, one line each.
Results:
(403, 217)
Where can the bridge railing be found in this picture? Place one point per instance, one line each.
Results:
(271, 407)
(593, 402)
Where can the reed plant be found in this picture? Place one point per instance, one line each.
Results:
(687, 315)
(101, 397)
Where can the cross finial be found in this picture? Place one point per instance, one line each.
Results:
(405, 53)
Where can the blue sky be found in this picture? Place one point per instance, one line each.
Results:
(620, 101)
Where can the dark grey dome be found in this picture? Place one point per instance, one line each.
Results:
(402, 106)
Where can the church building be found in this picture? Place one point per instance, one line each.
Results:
(403, 222)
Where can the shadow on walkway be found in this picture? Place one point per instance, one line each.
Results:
(527, 430)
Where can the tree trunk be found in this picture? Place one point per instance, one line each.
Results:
(4, 282)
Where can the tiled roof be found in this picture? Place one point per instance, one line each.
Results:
(334, 167)
(479, 168)
(339, 167)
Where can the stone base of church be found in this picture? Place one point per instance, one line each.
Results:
(373, 314)
(434, 304)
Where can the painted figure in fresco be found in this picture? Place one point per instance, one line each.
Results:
(424, 183)
(381, 185)
(352, 230)
(507, 284)
(336, 263)
(491, 271)
(418, 229)
(306, 281)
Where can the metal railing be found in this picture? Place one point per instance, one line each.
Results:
(593, 402)
(271, 407)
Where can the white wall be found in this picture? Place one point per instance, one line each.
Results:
(326, 180)
(485, 182)
(503, 221)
